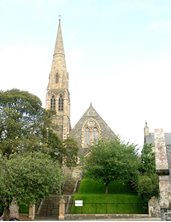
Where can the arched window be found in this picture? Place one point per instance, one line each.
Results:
(90, 132)
(60, 103)
(95, 135)
(87, 136)
(53, 103)
(57, 78)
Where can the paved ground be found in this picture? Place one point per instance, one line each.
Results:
(133, 219)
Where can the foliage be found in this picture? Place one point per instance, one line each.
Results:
(29, 149)
(70, 152)
(65, 152)
(28, 177)
(54, 144)
(109, 161)
(147, 182)
(147, 186)
(147, 164)
(21, 120)
(26, 126)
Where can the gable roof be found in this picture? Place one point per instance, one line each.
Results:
(91, 113)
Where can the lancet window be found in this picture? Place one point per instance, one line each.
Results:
(87, 136)
(91, 133)
(60, 103)
(95, 135)
(53, 103)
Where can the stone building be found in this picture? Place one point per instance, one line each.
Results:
(162, 147)
(57, 96)
(91, 127)
(150, 139)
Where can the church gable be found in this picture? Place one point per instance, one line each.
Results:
(90, 128)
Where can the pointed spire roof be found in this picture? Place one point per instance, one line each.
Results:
(146, 125)
(58, 68)
(146, 129)
(59, 47)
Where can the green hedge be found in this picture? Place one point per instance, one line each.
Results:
(88, 186)
(108, 204)
(121, 199)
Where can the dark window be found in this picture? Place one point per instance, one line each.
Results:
(61, 103)
(53, 103)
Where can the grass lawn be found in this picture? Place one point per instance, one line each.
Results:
(120, 199)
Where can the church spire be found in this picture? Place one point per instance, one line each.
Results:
(58, 77)
(59, 47)
(58, 96)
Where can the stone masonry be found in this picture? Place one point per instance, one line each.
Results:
(162, 169)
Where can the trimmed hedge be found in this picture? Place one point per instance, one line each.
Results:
(121, 199)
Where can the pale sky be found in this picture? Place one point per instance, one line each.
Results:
(118, 55)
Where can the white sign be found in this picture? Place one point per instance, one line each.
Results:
(78, 203)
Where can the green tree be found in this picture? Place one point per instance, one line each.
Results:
(54, 143)
(26, 126)
(147, 164)
(66, 152)
(21, 121)
(28, 177)
(147, 184)
(70, 152)
(109, 161)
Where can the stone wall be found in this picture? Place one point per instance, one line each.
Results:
(154, 207)
(105, 216)
(165, 191)
(160, 150)
(162, 169)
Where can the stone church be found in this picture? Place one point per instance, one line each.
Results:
(91, 127)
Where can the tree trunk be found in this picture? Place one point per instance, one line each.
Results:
(6, 213)
(32, 212)
(14, 209)
(106, 188)
(11, 210)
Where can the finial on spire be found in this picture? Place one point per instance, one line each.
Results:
(90, 103)
(146, 129)
(145, 123)
(59, 18)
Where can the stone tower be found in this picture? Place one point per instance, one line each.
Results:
(58, 96)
